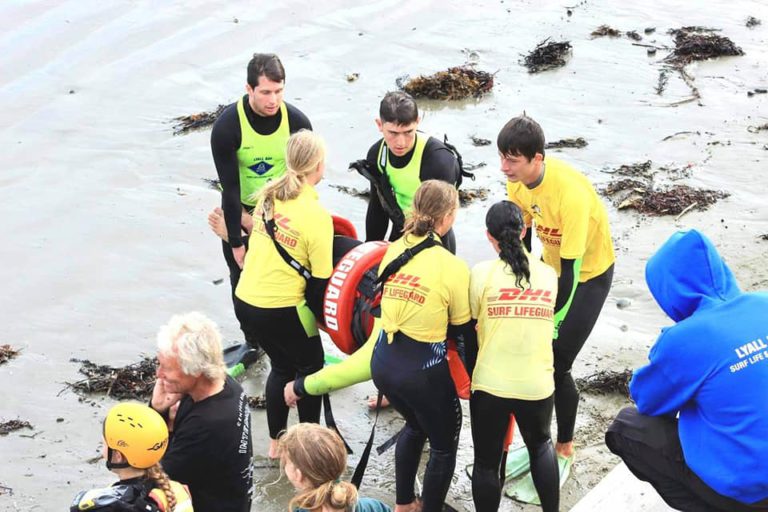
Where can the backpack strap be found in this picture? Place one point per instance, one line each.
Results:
(269, 226)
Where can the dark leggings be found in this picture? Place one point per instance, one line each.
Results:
(420, 387)
(291, 352)
(574, 331)
(490, 418)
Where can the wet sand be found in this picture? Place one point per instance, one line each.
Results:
(104, 209)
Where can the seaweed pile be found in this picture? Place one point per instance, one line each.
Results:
(469, 195)
(605, 31)
(700, 43)
(455, 83)
(606, 382)
(7, 353)
(352, 191)
(257, 402)
(637, 190)
(7, 427)
(578, 142)
(547, 55)
(185, 124)
(132, 381)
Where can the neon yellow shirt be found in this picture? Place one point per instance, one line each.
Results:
(426, 294)
(305, 230)
(571, 221)
(514, 330)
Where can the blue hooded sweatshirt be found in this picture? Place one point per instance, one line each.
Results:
(711, 367)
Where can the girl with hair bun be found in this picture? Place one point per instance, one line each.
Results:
(512, 363)
(314, 458)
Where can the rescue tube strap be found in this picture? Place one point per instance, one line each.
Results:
(462, 173)
(357, 477)
(383, 188)
(269, 225)
(397, 263)
(330, 421)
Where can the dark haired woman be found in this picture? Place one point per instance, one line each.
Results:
(512, 298)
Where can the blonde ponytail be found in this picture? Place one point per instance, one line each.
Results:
(434, 200)
(304, 152)
(162, 481)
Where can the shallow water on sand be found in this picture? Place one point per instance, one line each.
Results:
(104, 209)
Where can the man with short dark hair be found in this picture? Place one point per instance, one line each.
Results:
(699, 433)
(248, 145)
(572, 224)
(404, 158)
(210, 444)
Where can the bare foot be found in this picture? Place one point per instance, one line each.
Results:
(414, 506)
(565, 450)
(217, 224)
(273, 452)
(372, 402)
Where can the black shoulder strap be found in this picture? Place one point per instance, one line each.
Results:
(397, 263)
(462, 173)
(269, 226)
(383, 189)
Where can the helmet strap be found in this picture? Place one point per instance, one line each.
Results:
(115, 465)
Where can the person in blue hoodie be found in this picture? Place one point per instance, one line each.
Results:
(699, 433)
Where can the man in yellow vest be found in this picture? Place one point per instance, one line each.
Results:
(404, 158)
(248, 146)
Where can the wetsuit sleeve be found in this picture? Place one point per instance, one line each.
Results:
(566, 289)
(297, 120)
(438, 163)
(660, 388)
(352, 370)
(376, 219)
(465, 336)
(528, 238)
(225, 140)
(458, 290)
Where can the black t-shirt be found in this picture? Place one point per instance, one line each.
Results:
(210, 450)
(437, 163)
(225, 141)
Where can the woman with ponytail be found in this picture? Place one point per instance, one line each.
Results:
(290, 254)
(314, 459)
(512, 298)
(135, 439)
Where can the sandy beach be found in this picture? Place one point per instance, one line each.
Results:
(104, 210)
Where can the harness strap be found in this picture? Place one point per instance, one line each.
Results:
(269, 226)
(357, 477)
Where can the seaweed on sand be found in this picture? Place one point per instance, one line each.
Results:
(132, 381)
(606, 382)
(547, 55)
(7, 353)
(185, 124)
(455, 83)
(7, 427)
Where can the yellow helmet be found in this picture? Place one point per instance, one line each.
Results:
(136, 431)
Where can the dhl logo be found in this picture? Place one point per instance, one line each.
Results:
(521, 295)
(405, 280)
(543, 230)
(283, 222)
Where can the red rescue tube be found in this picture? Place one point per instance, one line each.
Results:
(343, 227)
(341, 293)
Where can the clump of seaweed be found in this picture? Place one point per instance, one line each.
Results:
(257, 402)
(605, 31)
(479, 141)
(547, 55)
(132, 381)
(752, 22)
(606, 382)
(352, 191)
(185, 124)
(455, 83)
(700, 43)
(7, 427)
(578, 142)
(7, 353)
(469, 195)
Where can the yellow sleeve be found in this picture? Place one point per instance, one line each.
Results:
(527, 217)
(320, 246)
(574, 211)
(458, 282)
(476, 283)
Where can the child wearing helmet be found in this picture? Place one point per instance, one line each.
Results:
(313, 458)
(135, 439)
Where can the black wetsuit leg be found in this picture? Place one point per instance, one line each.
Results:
(234, 268)
(574, 331)
(490, 418)
(416, 379)
(292, 353)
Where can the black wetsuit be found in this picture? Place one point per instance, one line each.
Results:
(225, 141)
(130, 495)
(437, 163)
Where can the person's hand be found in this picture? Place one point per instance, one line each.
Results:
(162, 398)
(239, 254)
(217, 224)
(290, 395)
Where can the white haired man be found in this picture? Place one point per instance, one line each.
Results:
(210, 444)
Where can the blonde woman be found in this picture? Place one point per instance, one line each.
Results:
(290, 249)
(314, 458)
